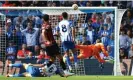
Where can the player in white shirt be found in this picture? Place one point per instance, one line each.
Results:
(67, 34)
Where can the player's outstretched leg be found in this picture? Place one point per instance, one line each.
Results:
(97, 56)
(64, 74)
(18, 65)
(101, 61)
(64, 66)
(66, 59)
(75, 58)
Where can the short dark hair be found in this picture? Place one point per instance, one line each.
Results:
(99, 40)
(46, 17)
(65, 15)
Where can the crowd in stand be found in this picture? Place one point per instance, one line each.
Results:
(126, 36)
(52, 3)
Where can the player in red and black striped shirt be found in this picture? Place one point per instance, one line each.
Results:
(52, 48)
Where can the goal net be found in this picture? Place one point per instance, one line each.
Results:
(81, 18)
(2, 42)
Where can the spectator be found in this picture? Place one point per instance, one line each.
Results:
(14, 38)
(40, 3)
(34, 3)
(31, 35)
(1, 4)
(23, 3)
(110, 46)
(123, 68)
(131, 52)
(128, 19)
(82, 3)
(38, 22)
(23, 53)
(7, 4)
(129, 34)
(122, 54)
(11, 52)
(104, 34)
(124, 40)
(9, 27)
(93, 17)
(129, 4)
(132, 40)
(43, 57)
(30, 18)
(85, 41)
(49, 4)
(21, 38)
(110, 24)
(122, 27)
(110, 15)
(53, 4)
(19, 21)
(96, 23)
(101, 21)
(90, 34)
(88, 4)
(110, 51)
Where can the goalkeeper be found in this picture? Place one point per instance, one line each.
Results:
(87, 51)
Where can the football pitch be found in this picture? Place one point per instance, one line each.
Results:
(72, 78)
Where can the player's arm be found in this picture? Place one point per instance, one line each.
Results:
(57, 30)
(58, 33)
(24, 31)
(103, 49)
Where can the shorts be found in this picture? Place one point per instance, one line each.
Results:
(52, 50)
(34, 71)
(68, 45)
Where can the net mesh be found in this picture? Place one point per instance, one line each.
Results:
(2, 43)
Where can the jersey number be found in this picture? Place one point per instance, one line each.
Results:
(51, 70)
(64, 29)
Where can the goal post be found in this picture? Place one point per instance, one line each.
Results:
(55, 13)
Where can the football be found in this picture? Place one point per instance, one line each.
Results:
(75, 6)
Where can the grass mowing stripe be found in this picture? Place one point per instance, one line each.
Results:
(72, 78)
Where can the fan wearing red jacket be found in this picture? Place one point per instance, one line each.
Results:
(43, 55)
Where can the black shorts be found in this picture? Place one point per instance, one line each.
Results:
(52, 50)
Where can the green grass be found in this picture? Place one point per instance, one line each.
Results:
(73, 78)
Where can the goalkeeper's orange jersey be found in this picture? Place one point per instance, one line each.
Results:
(98, 48)
(91, 50)
(85, 50)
